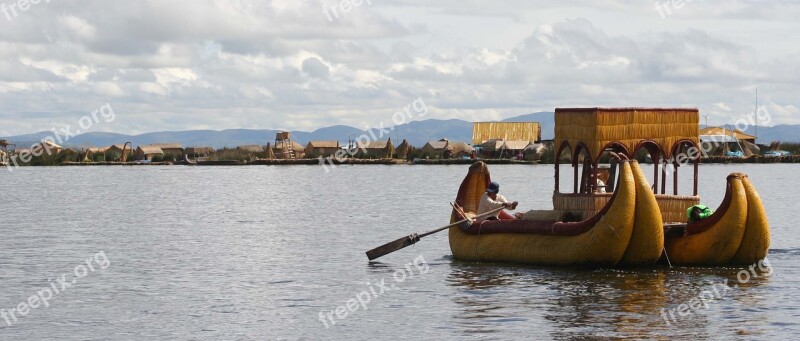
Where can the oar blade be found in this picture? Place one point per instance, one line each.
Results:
(390, 247)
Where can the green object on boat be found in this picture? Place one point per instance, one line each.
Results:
(698, 212)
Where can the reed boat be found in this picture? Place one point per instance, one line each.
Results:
(653, 226)
(599, 240)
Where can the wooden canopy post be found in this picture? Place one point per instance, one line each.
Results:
(656, 161)
(696, 163)
(675, 178)
(557, 171)
(575, 169)
(664, 178)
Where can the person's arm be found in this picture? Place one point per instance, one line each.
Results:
(503, 202)
(493, 203)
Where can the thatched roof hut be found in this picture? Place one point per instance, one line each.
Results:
(737, 134)
(492, 145)
(401, 152)
(169, 148)
(322, 148)
(147, 152)
(377, 149)
(446, 149)
(270, 152)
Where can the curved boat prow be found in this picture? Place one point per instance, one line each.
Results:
(647, 240)
(716, 239)
(755, 243)
(474, 185)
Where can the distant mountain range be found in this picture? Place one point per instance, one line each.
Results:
(416, 132)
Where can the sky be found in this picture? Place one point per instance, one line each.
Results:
(304, 65)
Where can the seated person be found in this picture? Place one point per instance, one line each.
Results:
(492, 200)
(602, 179)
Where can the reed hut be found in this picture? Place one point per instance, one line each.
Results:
(114, 152)
(147, 152)
(401, 152)
(534, 151)
(723, 131)
(376, 149)
(445, 149)
(46, 147)
(321, 148)
(496, 148)
(437, 149)
(173, 149)
(586, 134)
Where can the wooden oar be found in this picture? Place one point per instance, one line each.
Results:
(411, 239)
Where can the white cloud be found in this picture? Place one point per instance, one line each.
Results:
(267, 64)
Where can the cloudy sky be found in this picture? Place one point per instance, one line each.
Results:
(302, 65)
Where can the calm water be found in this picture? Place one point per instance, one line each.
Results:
(260, 252)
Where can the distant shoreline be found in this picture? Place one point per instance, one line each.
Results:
(756, 159)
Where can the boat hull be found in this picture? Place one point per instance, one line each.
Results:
(604, 242)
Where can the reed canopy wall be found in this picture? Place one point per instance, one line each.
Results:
(519, 131)
(588, 133)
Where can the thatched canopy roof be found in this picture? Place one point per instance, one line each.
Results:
(595, 129)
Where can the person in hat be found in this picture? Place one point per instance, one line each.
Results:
(492, 200)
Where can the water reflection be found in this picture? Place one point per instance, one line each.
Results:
(614, 303)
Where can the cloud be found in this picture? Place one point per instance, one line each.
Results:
(266, 64)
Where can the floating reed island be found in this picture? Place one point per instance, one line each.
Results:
(521, 144)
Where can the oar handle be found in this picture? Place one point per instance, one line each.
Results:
(461, 221)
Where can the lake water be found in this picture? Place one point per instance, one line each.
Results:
(264, 253)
